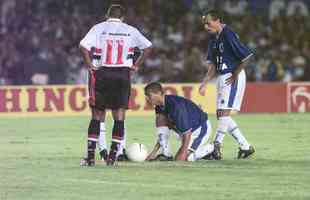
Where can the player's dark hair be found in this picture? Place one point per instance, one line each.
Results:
(153, 87)
(214, 14)
(115, 11)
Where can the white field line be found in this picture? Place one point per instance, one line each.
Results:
(136, 184)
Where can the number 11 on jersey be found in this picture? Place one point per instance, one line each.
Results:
(221, 66)
(110, 50)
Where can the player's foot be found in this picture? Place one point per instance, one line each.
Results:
(123, 156)
(112, 157)
(217, 152)
(208, 157)
(242, 154)
(103, 154)
(162, 157)
(87, 162)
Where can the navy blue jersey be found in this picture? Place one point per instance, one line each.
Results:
(183, 113)
(226, 51)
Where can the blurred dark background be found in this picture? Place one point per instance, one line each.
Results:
(39, 38)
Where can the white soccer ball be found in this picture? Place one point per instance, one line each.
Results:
(136, 152)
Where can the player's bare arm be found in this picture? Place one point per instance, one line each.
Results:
(210, 74)
(87, 58)
(235, 74)
(145, 52)
(183, 150)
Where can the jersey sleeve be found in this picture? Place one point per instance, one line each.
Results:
(241, 51)
(210, 54)
(89, 40)
(140, 41)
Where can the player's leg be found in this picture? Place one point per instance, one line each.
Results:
(198, 145)
(245, 149)
(94, 124)
(93, 134)
(117, 134)
(234, 103)
(223, 91)
(163, 134)
(116, 89)
(222, 127)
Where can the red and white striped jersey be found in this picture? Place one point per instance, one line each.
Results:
(112, 43)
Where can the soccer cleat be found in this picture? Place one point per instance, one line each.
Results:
(87, 162)
(123, 156)
(242, 154)
(103, 154)
(208, 157)
(217, 153)
(112, 157)
(162, 157)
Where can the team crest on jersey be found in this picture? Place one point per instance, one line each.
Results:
(221, 47)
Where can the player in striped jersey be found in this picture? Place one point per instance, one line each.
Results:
(112, 43)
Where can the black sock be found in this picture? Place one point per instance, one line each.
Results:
(118, 131)
(93, 133)
(117, 137)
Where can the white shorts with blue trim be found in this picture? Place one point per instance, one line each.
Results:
(230, 96)
(200, 136)
(198, 144)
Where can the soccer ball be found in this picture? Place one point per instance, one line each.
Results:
(136, 152)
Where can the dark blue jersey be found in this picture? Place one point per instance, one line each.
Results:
(183, 113)
(226, 51)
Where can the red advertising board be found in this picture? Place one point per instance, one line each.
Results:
(71, 100)
(298, 97)
(265, 97)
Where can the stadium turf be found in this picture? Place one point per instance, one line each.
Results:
(39, 159)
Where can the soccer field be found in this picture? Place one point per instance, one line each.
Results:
(40, 160)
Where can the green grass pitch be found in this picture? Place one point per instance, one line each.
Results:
(39, 159)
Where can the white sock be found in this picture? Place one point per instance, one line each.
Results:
(163, 140)
(222, 126)
(237, 135)
(102, 144)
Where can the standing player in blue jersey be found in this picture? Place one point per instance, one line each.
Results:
(226, 60)
(189, 122)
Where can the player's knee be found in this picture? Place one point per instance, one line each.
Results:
(222, 113)
(98, 114)
(119, 114)
(223, 123)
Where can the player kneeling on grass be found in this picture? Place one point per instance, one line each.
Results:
(190, 123)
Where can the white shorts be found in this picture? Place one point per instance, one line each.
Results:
(200, 136)
(230, 96)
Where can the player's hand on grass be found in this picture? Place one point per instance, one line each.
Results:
(181, 156)
(149, 157)
(202, 89)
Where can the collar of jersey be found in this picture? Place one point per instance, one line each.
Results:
(218, 35)
(114, 20)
